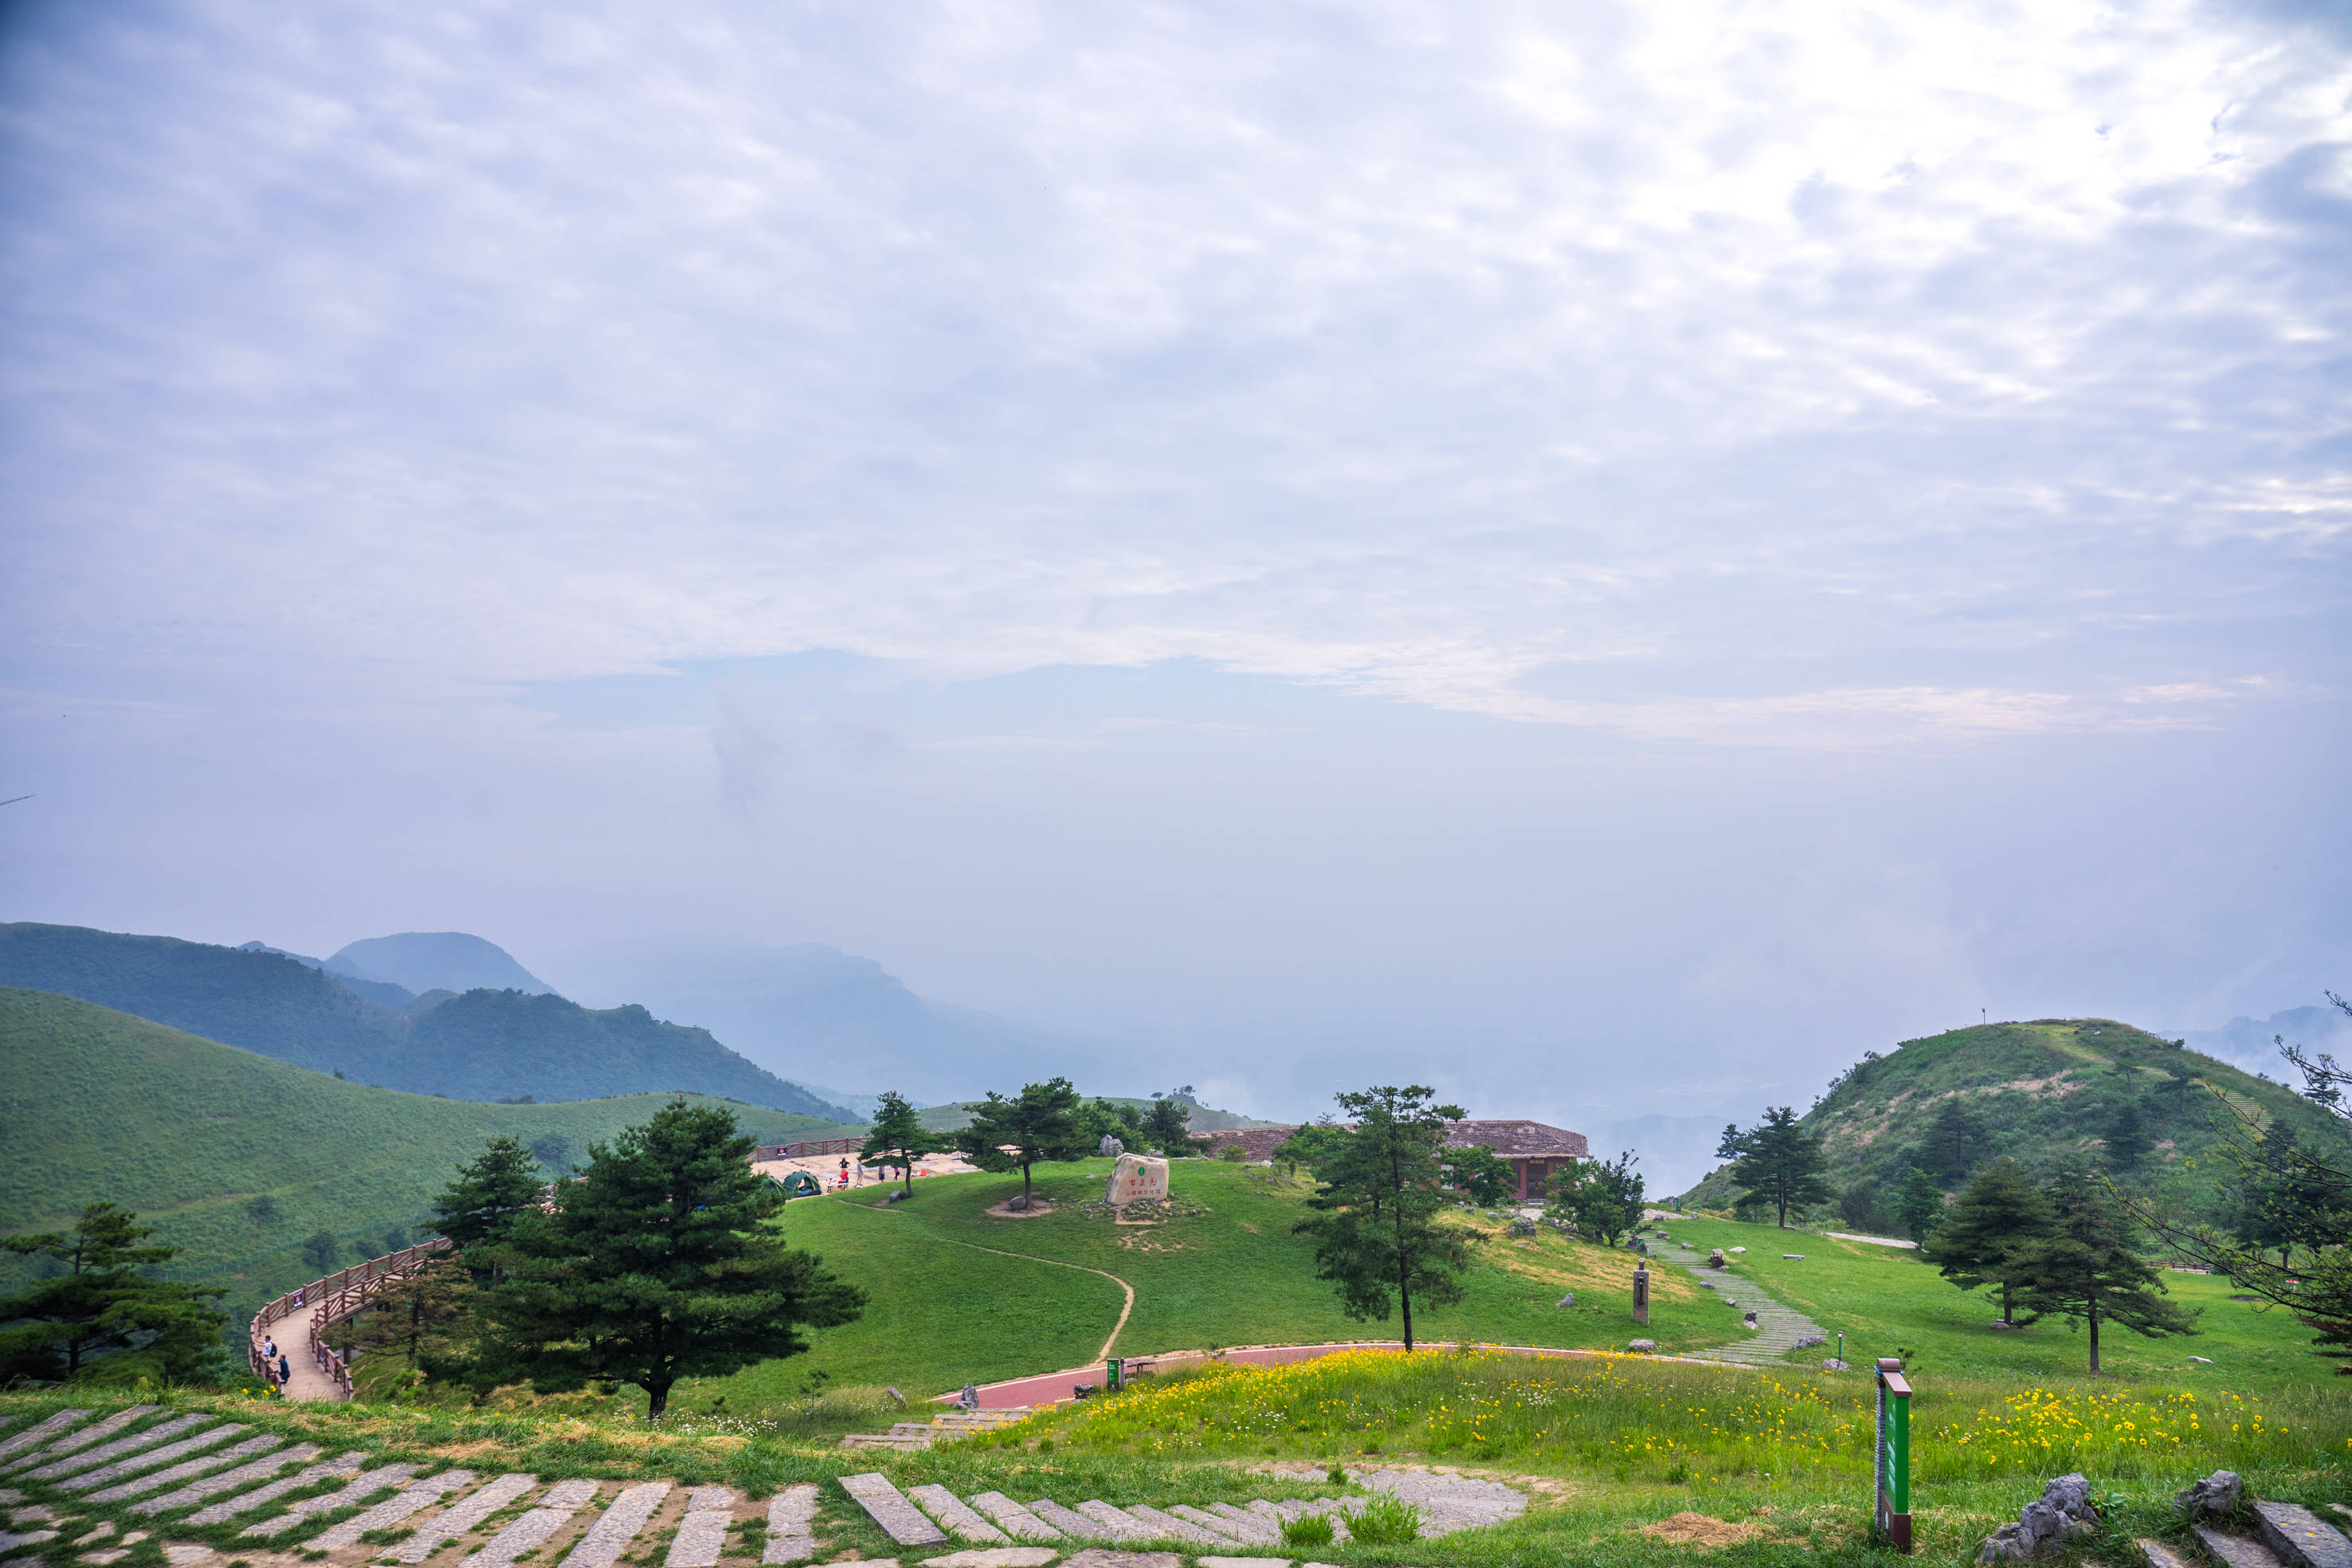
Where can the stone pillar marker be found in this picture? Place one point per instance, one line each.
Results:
(1137, 1179)
(1642, 1296)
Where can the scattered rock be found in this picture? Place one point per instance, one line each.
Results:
(2215, 1496)
(1794, 1256)
(1738, 1249)
(1641, 1347)
(1808, 1342)
(1568, 1300)
(2062, 1514)
(1522, 1226)
(1833, 1364)
(2205, 1360)
(1715, 1259)
(1018, 1205)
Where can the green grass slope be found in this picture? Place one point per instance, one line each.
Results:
(2042, 1090)
(483, 1045)
(101, 1105)
(947, 1307)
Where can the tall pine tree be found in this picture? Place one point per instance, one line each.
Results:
(1376, 1237)
(659, 1263)
(1042, 1123)
(897, 1136)
(1779, 1159)
(492, 1192)
(1979, 1237)
(2084, 1269)
(102, 1305)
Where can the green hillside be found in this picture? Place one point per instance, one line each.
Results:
(2039, 1092)
(483, 1045)
(946, 1305)
(189, 1132)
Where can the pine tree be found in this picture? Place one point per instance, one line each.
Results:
(422, 1316)
(103, 1303)
(897, 1136)
(1918, 1203)
(1953, 1141)
(1043, 1124)
(1780, 1159)
(1377, 1238)
(493, 1191)
(2127, 1141)
(657, 1263)
(1168, 1125)
(1999, 1212)
(2084, 1271)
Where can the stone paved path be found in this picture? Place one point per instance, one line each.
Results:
(1778, 1329)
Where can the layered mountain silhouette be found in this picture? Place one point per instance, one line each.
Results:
(475, 1044)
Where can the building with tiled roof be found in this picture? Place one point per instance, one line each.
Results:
(1534, 1150)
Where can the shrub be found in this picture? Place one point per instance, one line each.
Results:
(1386, 1521)
(1311, 1532)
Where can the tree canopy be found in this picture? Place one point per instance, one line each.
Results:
(1918, 1203)
(897, 1136)
(1603, 1198)
(102, 1314)
(2083, 1269)
(1377, 1235)
(1780, 1160)
(659, 1262)
(1977, 1238)
(492, 1192)
(1479, 1174)
(1042, 1123)
(1168, 1124)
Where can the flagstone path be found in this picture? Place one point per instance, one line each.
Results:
(581, 1523)
(1778, 1328)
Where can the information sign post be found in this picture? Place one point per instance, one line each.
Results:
(1893, 1504)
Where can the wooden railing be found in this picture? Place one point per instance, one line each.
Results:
(807, 1150)
(330, 1300)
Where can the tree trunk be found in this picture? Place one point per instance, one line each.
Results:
(2094, 1338)
(1024, 1183)
(657, 1400)
(2008, 1310)
(1404, 1294)
(909, 1168)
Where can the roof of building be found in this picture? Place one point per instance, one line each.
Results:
(1512, 1140)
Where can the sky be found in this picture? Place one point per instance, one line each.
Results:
(1606, 558)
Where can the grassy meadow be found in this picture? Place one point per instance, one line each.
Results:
(945, 1307)
(1885, 1301)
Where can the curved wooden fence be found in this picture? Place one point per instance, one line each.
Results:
(330, 1300)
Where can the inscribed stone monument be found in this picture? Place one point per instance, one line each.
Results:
(1137, 1179)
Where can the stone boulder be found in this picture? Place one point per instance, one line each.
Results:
(2215, 1496)
(1641, 1347)
(2063, 1514)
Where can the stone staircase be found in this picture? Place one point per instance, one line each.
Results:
(944, 1429)
(1778, 1328)
(162, 1471)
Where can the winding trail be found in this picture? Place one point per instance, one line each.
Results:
(1778, 1327)
(1124, 1312)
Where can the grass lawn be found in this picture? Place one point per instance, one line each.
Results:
(1884, 1299)
(944, 1312)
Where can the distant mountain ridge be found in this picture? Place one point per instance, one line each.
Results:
(238, 1157)
(813, 1014)
(436, 961)
(2040, 1092)
(480, 1044)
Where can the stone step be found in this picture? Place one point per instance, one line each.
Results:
(409, 1500)
(792, 1525)
(221, 1481)
(1071, 1524)
(1122, 1526)
(610, 1535)
(103, 1453)
(1157, 1523)
(1246, 1525)
(152, 1458)
(2237, 1551)
(535, 1528)
(702, 1534)
(957, 1515)
(2301, 1537)
(899, 1519)
(450, 1524)
(246, 1503)
(250, 1448)
(1013, 1518)
(40, 1432)
(359, 1488)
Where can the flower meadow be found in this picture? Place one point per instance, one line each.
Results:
(1642, 1419)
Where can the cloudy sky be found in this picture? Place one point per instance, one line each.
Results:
(1609, 556)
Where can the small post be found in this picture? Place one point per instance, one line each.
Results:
(1894, 1503)
(1112, 1371)
(1642, 1296)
